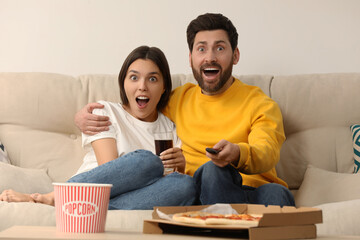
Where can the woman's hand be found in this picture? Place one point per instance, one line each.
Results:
(173, 158)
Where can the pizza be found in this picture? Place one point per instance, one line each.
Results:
(205, 218)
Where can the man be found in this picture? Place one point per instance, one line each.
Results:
(237, 120)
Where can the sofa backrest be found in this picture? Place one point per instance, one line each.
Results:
(318, 110)
(37, 118)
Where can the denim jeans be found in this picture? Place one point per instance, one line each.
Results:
(224, 185)
(138, 182)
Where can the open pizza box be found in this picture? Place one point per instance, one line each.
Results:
(276, 223)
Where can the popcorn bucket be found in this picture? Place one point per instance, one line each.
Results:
(81, 207)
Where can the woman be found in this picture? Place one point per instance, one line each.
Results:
(123, 155)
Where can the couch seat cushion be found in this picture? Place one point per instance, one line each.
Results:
(321, 186)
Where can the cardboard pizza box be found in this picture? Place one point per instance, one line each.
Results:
(276, 223)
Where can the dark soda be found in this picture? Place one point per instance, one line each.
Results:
(162, 145)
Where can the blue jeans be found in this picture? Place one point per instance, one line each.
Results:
(224, 185)
(138, 182)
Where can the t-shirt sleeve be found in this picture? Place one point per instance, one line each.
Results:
(111, 133)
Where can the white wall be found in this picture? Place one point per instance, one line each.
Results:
(94, 36)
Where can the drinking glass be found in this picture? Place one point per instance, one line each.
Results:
(163, 141)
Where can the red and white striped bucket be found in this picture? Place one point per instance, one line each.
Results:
(81, 207)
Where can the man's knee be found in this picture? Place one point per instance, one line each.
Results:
(205, 174)
(210, 173)
(275, 194)
(208, 169)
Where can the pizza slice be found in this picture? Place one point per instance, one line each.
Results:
(251, 220)
(205, 218)
(194, 217)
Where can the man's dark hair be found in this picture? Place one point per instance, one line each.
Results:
(211, 21)
(158, 57)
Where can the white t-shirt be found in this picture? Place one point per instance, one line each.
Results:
(130, 133)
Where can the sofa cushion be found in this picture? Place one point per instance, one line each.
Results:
(340, 218)
(3, 154)
(24, 180)
(355, 131)
(26, 214)
(321, 186)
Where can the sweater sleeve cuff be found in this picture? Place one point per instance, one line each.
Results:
(243, 155)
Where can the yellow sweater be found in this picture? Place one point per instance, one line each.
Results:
(243, 114)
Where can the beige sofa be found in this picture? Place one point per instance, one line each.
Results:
(37, 129)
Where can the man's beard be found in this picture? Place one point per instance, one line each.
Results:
(224, 77)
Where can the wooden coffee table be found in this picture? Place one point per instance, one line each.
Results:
(49, 232)
(45, 232)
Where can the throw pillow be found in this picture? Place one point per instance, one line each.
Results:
(320, 186)
(3, 154)
(355, 131)
(24, 180)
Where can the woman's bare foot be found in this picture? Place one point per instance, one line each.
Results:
(47, 198)
(10, 195)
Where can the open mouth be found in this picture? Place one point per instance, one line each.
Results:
(211, 71)
(142, 101)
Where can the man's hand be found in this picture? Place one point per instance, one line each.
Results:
(173, 158)
(229, 153)
(89, 123)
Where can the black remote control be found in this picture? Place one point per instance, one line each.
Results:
(212, 151)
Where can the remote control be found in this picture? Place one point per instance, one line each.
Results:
(212, 151)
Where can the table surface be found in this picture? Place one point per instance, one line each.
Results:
(49, 232)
